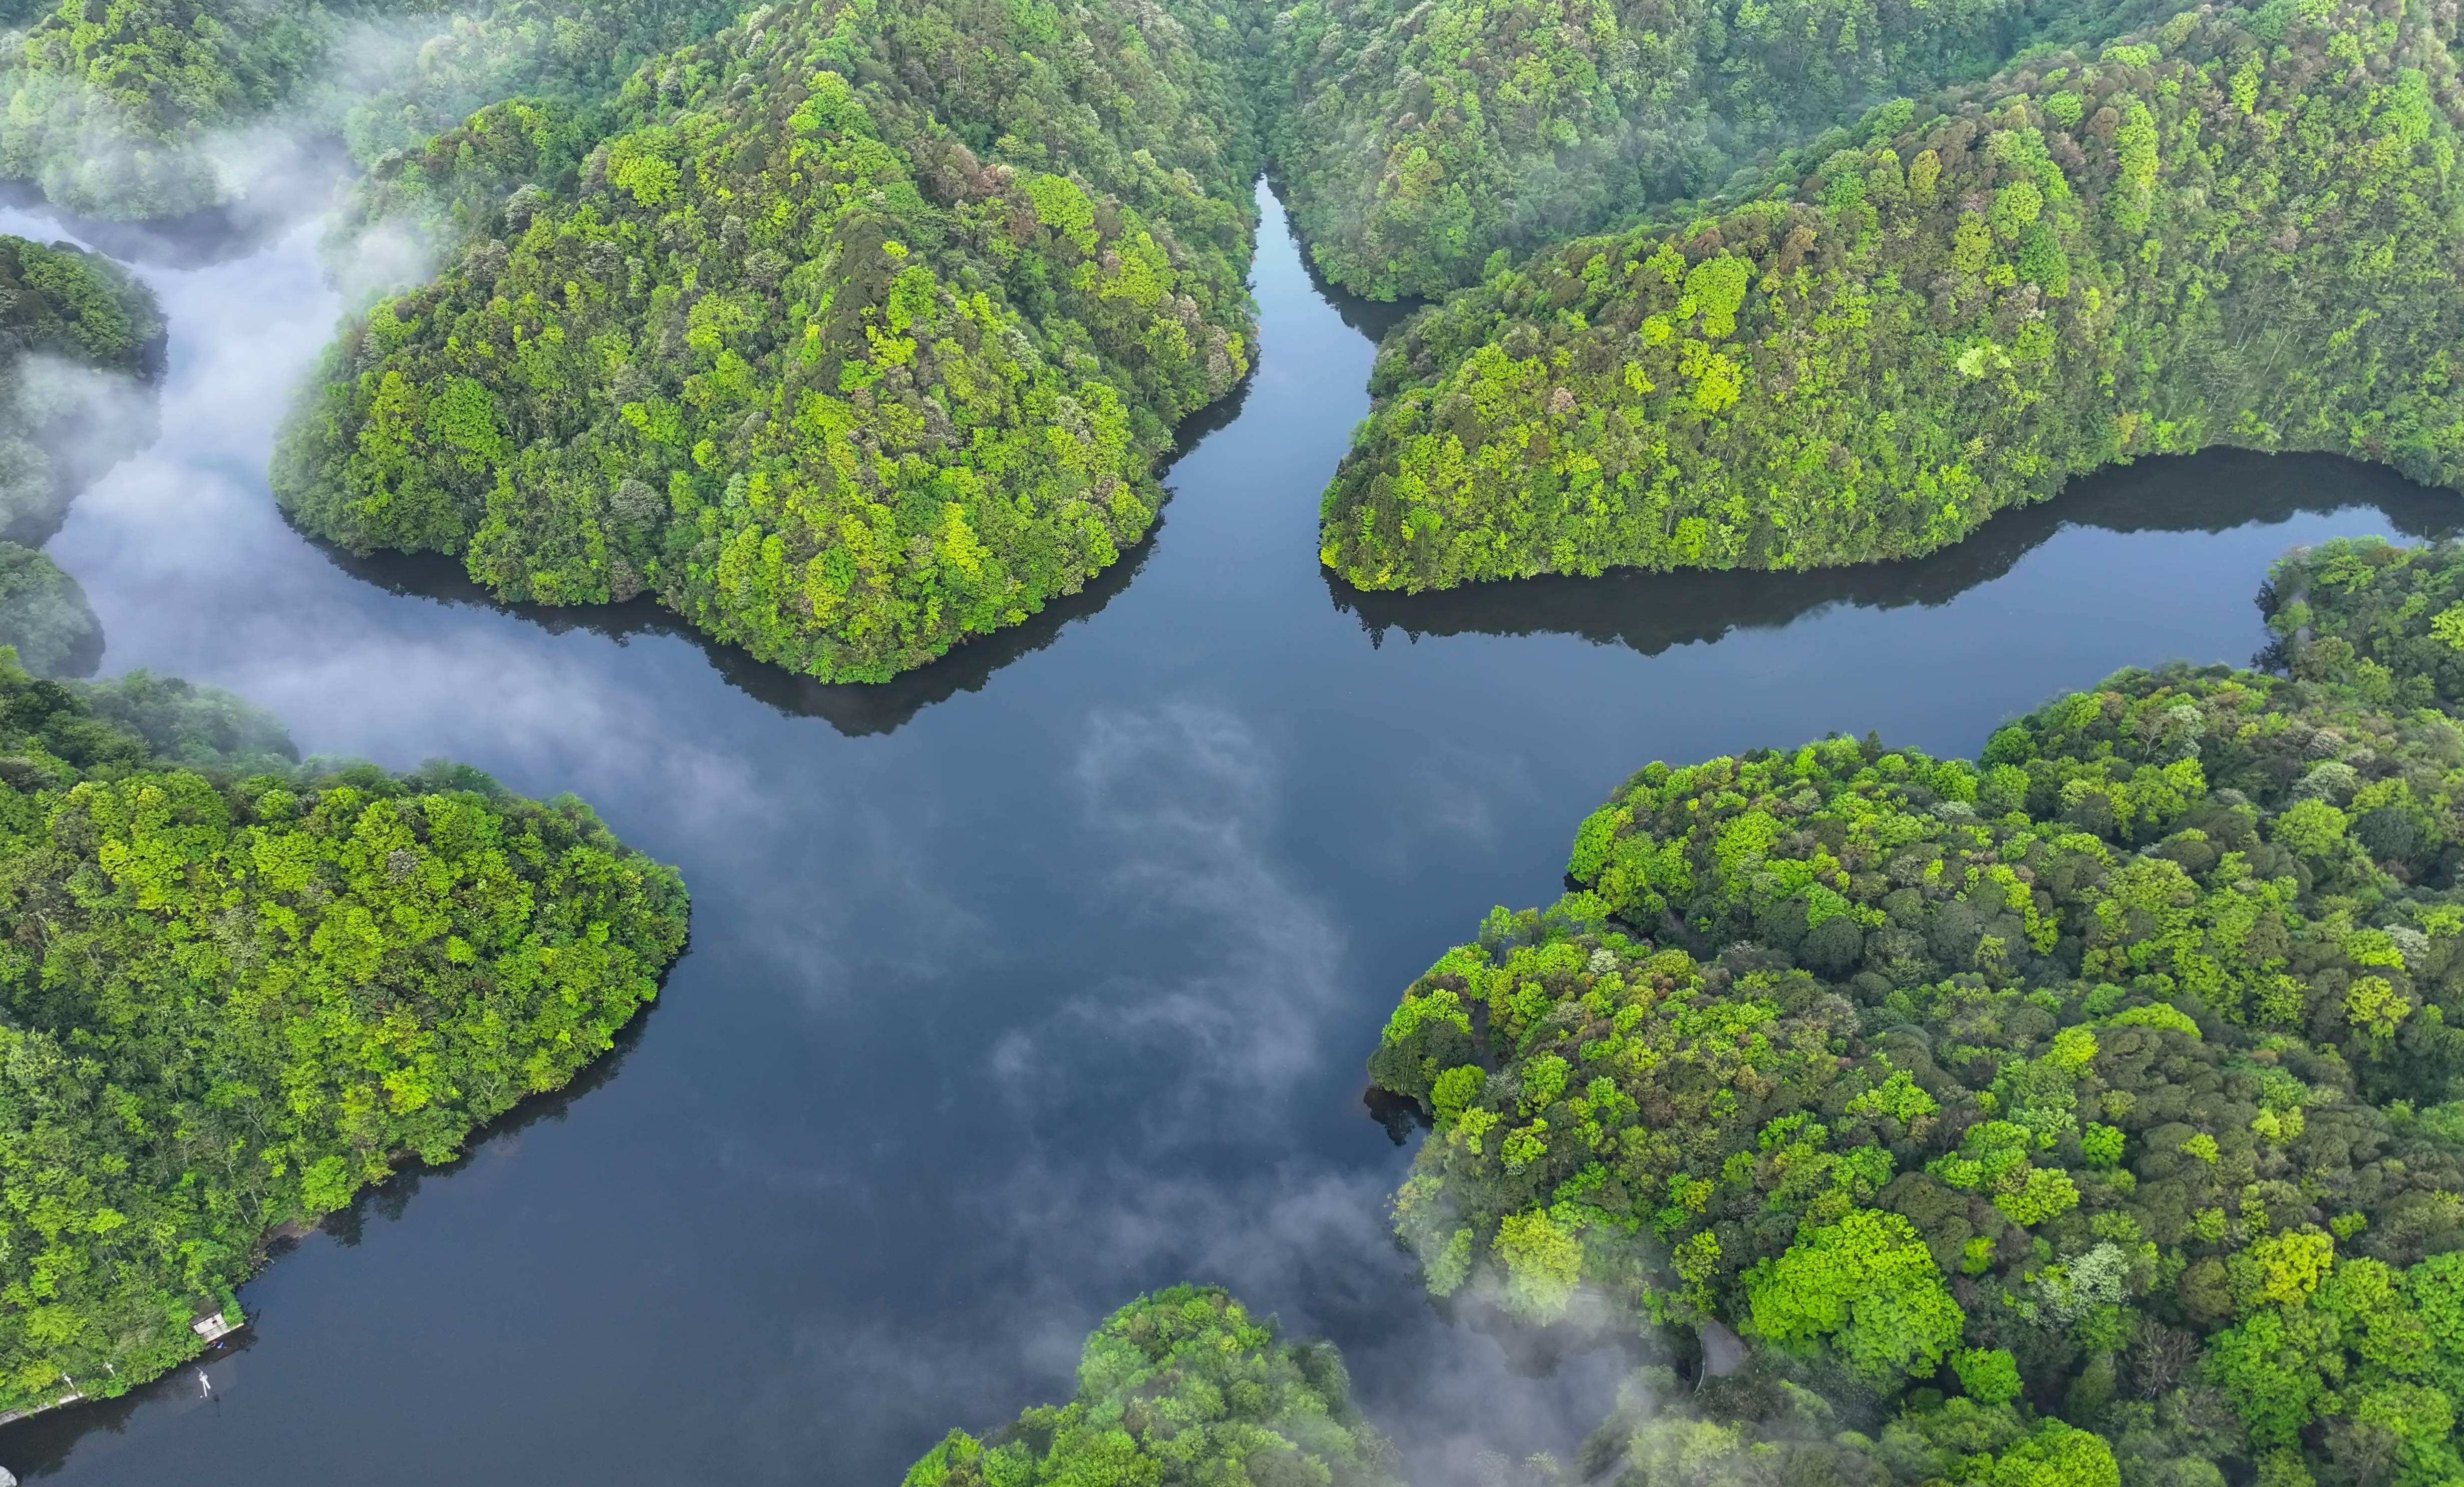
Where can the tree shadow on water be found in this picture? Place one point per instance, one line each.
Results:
(42, 1444)
(855, 708)
(1651, 612)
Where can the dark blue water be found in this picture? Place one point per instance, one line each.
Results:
(1038, 978)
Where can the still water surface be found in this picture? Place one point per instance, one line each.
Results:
(1031, 981)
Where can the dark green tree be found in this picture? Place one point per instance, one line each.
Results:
(44, 616)
(80, 348)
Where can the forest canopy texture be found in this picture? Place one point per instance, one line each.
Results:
(2236, 228)
(1417, 140)
(864, 334)
(153, 108)
(1181, 1388)
(45, 618)
(234, 990)
(2083, 1113)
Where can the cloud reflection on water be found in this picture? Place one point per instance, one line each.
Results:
(1038, 978)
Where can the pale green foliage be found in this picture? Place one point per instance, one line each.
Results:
(1868, 1286)
(1542, 1263)
(2057, 1455)
(1455, 1088)
(1990, 1374)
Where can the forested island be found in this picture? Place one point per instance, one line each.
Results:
(2236, 228)
(865, 332)
(236, 989)
(2082, 1113)
(1182, 1385)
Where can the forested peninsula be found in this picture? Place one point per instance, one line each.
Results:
(864, 334)
(849, 430)
(81, 346)
(2082, 1113)
(1182, 1386)
(80, 354)
(236, 989)
(2236, 228)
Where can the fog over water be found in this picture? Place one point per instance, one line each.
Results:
(1038, 978)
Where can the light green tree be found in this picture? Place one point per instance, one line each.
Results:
(1868, 1286)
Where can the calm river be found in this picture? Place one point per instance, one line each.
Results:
(1034, 980)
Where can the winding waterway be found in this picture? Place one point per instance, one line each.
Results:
(1033, 980)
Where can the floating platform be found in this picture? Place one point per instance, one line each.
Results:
(211, 1329)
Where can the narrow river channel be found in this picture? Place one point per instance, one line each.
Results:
(1036, 979)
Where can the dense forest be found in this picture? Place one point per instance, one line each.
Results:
(106, 102)
(2387, 621)
(2238, 228)
(1415, 141)
(152, 108)
(236, 989)
(865, 334)
(45, 618)
(1181, 1388)
(2093, 1102)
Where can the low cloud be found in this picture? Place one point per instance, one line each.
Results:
(1153, 1108)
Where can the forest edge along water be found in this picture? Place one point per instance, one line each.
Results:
(1042, 977)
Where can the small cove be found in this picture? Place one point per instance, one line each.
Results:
(1037, 978)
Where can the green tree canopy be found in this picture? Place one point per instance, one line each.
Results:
(200, 727)
(127, 108)
(2131, 1094)
(1176, 1389)
(2386, 622)
(1867, 1285)
(44, 616)
(1417, 140)
(2097, 255)
(80, 348)
(227, 1004)
(862, 334)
